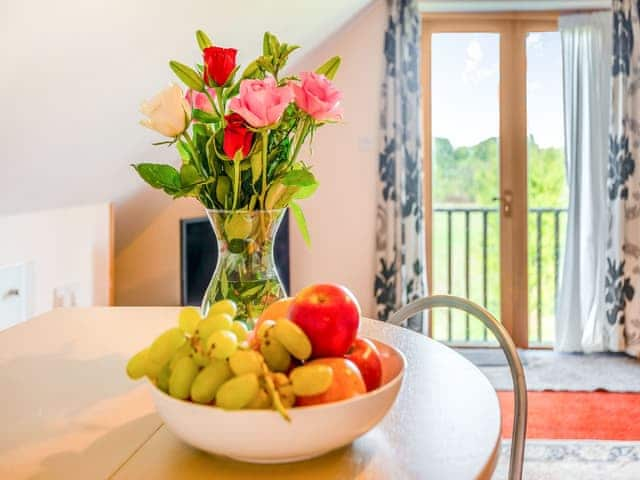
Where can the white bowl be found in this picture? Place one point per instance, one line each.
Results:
(263, 436)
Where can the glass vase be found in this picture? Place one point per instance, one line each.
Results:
(246, 272)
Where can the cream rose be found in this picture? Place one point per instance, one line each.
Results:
(168, 112)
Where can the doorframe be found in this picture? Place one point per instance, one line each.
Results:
(513, 28)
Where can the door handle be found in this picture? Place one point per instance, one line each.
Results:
(506, 201)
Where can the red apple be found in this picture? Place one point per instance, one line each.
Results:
(329, 314)
(365, 355)
(347, 382)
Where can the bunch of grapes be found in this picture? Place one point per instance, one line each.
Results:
(217, 361)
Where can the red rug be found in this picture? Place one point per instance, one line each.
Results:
(577, 415)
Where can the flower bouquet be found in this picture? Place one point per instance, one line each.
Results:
(239, 136)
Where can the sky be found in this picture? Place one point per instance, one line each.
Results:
(465, 82)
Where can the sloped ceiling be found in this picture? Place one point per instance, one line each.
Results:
(74, 73)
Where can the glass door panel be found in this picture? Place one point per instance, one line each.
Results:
(547, 190)
(465, 126)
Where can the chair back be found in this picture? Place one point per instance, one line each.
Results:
(516, 462)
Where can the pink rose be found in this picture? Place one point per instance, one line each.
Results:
(316, 95)
(199, 100)
(261, 102)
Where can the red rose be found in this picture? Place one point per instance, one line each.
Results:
(218, 65)
(236, 136)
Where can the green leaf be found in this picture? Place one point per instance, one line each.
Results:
(189, 176)
(266, 47)
(306, 192)
(330, 67)
(204, 117)
(183, 150)
(203, 40)
(223, 189)
(160, 176)
(251, 70)
(298, 215)
(299, 178)
(265, 62)
(274, 44)
(290, 49)
(188, 75)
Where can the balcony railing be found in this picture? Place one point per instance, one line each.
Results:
(466, 262)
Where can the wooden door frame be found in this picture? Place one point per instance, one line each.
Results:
(513, 28)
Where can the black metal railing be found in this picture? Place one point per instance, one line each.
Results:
(478, 242)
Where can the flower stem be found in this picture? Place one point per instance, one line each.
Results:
(192, 149)
(222, 106)
(265, 141)
(213, 102)
(236, 183)
(298, 139)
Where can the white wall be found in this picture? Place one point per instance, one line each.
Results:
(68, 252)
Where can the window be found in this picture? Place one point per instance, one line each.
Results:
(495, 187)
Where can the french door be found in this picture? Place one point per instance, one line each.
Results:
(486, 172)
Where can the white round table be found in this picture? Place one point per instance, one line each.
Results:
(72, 411)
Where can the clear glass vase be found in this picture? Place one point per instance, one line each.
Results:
(246, 272)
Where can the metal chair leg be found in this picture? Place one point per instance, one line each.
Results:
(517, 372)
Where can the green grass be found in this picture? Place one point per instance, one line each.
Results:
(474, 288)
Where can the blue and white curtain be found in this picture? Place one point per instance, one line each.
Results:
(400, 244)
(622, 281)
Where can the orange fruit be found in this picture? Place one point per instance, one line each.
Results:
(278, 309)
(347, 382)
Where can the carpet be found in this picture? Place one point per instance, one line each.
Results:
(576, 415)
(575, 459)
(548, 370)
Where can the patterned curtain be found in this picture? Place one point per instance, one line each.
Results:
(622, 282)
(400, 246)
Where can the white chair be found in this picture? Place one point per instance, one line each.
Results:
(517, 372)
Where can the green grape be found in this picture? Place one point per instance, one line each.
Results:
(287, 396)
(188, 319)
(163, 347)
(163, 378)
(223, 306)
(293, 338)
(137, 365)
(209, 380)
(311, 379)
(221, 344)
(280, 379)
(198, 352)
(236, 393)
(184, 350)
(246, 361)
(201, 359)
(265, 328)
(261, 401)
(182, 377)
(152, 369)
(213, 323)
(276, 356)
(240, 329)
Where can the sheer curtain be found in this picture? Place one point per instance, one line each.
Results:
(586, 52)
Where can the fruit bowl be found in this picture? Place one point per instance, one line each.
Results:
(263, 436)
